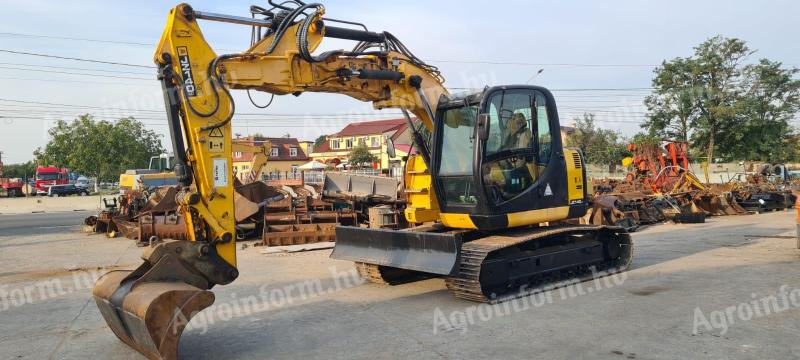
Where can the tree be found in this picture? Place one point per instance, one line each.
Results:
(600, 146)
(772, 98)
(360, 155)
(729, 110)
(717, 74)
(320, 140)
(19, 170)
(100, 149)
(671, 107)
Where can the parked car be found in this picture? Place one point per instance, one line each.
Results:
(83, 182)
(64, 190)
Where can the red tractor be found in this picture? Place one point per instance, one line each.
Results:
(11, 187)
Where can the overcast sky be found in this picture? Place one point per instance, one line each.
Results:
(579, 44)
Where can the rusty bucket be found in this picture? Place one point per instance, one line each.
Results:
(149, 317)
(148, 308)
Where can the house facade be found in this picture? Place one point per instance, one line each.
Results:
(374, 135)
(285, 156)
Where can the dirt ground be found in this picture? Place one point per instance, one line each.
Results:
(674, 304)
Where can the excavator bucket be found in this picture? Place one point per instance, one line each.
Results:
(148, 308)
(151, 317)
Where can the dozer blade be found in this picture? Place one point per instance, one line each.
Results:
(148, 308)
(434, 253)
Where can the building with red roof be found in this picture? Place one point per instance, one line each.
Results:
(286, 155)
(374, 135)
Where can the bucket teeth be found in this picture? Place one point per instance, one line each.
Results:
(148, 316)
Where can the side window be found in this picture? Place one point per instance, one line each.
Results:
(457, 144)
(543, 133)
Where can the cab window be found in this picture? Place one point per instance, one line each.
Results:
(455, 167)
(543, 137)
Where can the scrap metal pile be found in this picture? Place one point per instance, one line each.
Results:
(660, 187)
(275, 213)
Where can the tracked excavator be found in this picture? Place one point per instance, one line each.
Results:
(492, 194)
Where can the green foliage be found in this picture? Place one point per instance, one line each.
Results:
(19, 170)
(646, 139)
(100, 149)
(319, 141)
(600, 146)
(671, 106)
(771, 100)
(360, 156)
(714, 100)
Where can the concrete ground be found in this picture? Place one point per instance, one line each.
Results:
(679, 271)
(45, 204)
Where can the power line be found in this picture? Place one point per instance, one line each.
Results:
(103, 41)
(162, 111)
(305, 121)
(571, 89)
(74, 68)
(277, 126)
(569, 108)
(282, 122)
(75, 59)
(489, 62)
(75, 39)
(151, 67)
(75, 73)
(71, 81)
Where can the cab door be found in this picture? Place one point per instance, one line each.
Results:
(521, 165)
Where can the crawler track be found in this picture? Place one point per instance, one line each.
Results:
(558, 252)
(386, 275)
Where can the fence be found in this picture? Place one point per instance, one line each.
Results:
(318, 176)
(718, 173)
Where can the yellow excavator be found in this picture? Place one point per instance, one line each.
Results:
(493, 197)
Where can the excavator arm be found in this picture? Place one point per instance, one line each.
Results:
(149, 307)
(259, 160)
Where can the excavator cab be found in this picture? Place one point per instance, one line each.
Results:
(496, 161)
(494, 165)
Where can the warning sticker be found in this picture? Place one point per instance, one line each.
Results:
(548, 191)
(220, 173)
(216, 145)
(215, 132)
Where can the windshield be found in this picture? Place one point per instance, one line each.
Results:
(510, 123)
(47, 176)
(161, 163)
(458, 141)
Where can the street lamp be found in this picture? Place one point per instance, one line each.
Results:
(534, 76)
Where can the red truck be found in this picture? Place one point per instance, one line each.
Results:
(11, 187)
(47, 176)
